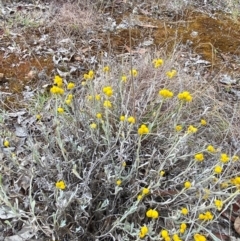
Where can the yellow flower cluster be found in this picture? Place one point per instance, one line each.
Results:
(57, 90)
(165, 93)
(143, 231)
(131, 120)
(224, 158)
(157, 63)
(68, 101)
(107, 104)
(60, 185)
(183, 227)
(60, 110)
(203, 122)
(97, 97)
(70, 85)
(89, 75)
(144, 192)
(199, 157)
(176, 238)
(143, 129)
(99, 115)
(108, 91)
(192, 129)
(199, 237)
(219, 204)
(165, 235)
(118, 182)
(218, 169)
(122, 118)
(93, 125)
(206, 216)
(106, 69)
(58, 81)
(178, 128)
(124, 78)
(187, 184)
(236, 181)
(171, 74)
(185, 96)
(152, 213)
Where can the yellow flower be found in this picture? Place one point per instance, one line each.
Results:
(187, 184)
(38, 117)
(93, 125)
(164, 233)
(176, 238)
(218, 203)
(99, 115)
(171, 74)
(211, 149)
(106, 69)
(183, 227)
(89, 97)
(57, 90)
(145, 191)
(199, 237)
(218, 169)
(70, 85)
(162, 173)
(70, 97)
(131, 120)
(152, 213)
(184, 211)
(199, 157)
(134, 72)
(224, 185)
(60, 110)
(203, 122)
(118, 182)
(60, 185)
(107, 104)
(83, 83)
(185, 96)
(124, 78)
(157, 63)
(165, 93)
(224, 158)
(143, 231)
(68, 101)
(178, 127)
(91, 74)
(139, 197)
(6, 143)
(108, 91)
(58, 81)
(143, 130)
(235, 158)
(124, 164)
(206, 216)
(122, 118)
(192, 129)
(236, 181)
(97, 97)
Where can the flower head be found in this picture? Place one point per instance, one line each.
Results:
(178, 128)
(157, 63)
(134, 72)
(218, 203)
(224, 158)
(236, 181)
(107, 104)
(124, 78)
(206, 216)
(58, 81)
(171, 74)
(145, 191)
(203, 122)
(162, 173)
(192, 129)
(70, 85)
(184, 211)
(108, 91)
(199, 237)
(164, 233)
(38, 117)
(218, 169)
(60, 110)
(185, 96)
(106, 69)
(183, 227)
(97, 97)
(176, 237)
(165, 93)
(143, 231)
(99, 115)
(187, 184)
(6, 143)
(57, 90)
(143, 130)
(211, 149)
(60, 185)
(199, 157)
(131, 120)
(235, 158)
(93, 125)
(118, 182)
(152, 213)
(122, 118)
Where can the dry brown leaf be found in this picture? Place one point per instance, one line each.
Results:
(237, 225)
